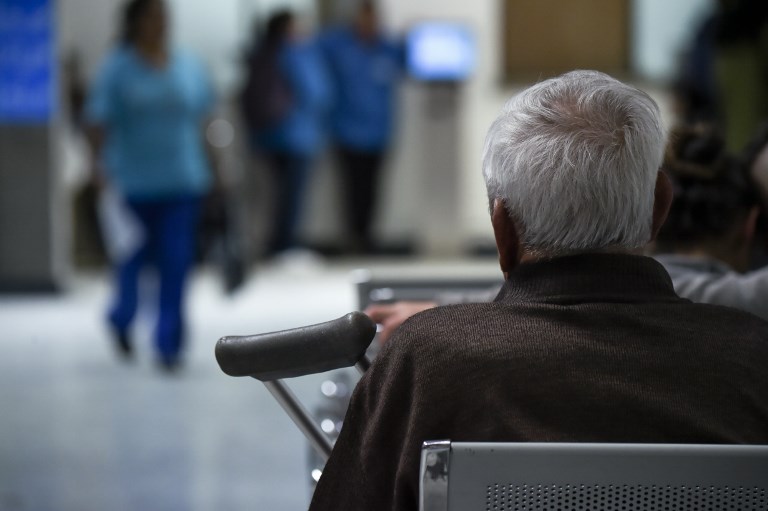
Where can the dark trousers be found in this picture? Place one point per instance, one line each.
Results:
(290, 175)
(360, 183)
(170, 227)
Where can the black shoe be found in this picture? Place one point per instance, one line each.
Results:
(123, 344)
(169, 365)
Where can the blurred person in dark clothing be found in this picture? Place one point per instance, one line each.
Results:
(754, 157)
(146, 112)
(695, 88)
(724, 75)
(365, 67)
(707, 241)
(283, 102)
(741, 67)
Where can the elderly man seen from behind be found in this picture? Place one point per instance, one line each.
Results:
(586, 340)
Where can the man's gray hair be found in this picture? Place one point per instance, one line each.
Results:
(575, 159)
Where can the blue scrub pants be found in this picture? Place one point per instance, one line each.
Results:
(170, 227)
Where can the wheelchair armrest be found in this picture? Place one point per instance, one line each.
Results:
(298, 351)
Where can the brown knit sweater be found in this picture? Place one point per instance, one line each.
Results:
(592, 348)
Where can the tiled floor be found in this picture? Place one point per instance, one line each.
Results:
(80, 431)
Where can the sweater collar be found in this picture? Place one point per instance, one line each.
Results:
(589, 277)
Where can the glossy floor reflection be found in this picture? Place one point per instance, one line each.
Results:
(81, 431)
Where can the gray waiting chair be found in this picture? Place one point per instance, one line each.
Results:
(467, 476)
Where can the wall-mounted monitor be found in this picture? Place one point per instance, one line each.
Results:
(440, 51)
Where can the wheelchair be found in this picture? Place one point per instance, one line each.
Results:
(511, 476)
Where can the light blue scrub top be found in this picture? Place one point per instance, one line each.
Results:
(154, 124)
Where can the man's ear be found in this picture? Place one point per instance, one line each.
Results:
(662, 201)
(507, 237)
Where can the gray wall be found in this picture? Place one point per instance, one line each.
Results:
(30, 259)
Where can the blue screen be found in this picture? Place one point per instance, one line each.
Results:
(440, 52)
(26, 61)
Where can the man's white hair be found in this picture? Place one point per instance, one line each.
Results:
(575, 160)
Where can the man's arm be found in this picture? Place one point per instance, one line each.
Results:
(372, 466)
(418, 388)
(392, 315)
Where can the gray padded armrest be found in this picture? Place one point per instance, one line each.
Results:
(298, 351)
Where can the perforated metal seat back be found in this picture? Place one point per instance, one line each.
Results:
(558, 497)
(606, 477)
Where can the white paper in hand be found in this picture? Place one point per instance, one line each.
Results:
(121, 230)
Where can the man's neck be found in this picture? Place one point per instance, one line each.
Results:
(527, 256)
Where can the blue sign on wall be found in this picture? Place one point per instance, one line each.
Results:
(27, 67)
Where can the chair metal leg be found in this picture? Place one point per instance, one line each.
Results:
(301, 417)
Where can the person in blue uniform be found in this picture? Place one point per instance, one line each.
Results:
(284, 101)
(146, 112)
(365, 67)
